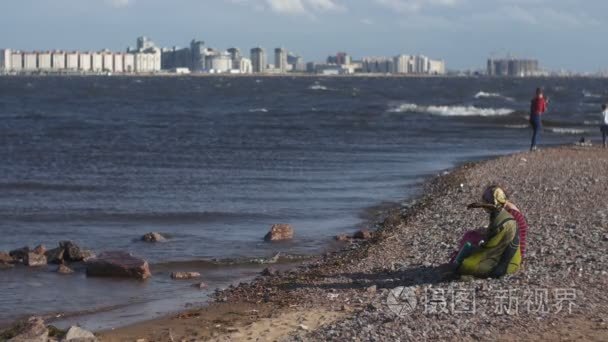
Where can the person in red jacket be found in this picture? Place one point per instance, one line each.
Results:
(537, 107)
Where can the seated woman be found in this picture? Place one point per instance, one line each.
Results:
(499, 252)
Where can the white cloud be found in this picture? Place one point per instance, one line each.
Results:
(415, 5)
(119, 3)
(295, 7)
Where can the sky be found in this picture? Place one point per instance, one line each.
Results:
(562, 34)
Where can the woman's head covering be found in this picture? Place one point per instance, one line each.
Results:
(495, 196)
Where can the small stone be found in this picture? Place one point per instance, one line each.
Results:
(270, 272)
(372, 289)
(363, 234)
(77, 334)
(342, 237)
(63, 269)
(200, 286)
(280, 232)
(345, 307)
(303, 327)
(32, 330)
(185, 275)
(153, 237)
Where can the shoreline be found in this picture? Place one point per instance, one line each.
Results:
(321, 297)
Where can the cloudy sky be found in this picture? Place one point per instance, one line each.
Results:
(569, 34)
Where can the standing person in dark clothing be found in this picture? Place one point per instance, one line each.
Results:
(537, 107)
(604, 124)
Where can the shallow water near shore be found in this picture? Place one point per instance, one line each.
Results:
(213, 162)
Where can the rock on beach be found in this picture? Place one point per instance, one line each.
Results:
(280, 232)
(185, 275)
(118, 264)
(153, 237)
(30, 330)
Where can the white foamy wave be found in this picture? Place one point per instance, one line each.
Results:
(561, 130)
(592, 122)
(317, 87)
(484, 95)
(517, 126)
(258, 110)
(451, 110)
(591, 95)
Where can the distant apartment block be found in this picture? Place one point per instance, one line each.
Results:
(513, 67)
(147, 59)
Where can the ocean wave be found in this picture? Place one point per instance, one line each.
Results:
(564, 130)
(587, 93)
(317, 87)
(517, 126)
(38, 186)
(157, 217)
(451, 110)
(592, 122)
(258, 110)
(483, 94)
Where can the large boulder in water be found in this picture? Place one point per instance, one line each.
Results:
(40, 249)
(73, 252)
(31, 330)
(6, 258)
(118, 264)
(279, 232)
(153, 237)
(55, 255)
(19, 255)
(35, 259)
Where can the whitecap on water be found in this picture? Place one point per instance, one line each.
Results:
(483, 94)
(565, 130)
(451, 110)
(317, 86)
(258, 110)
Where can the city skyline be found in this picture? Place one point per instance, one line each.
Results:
(463, 32)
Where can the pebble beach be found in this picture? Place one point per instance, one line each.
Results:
(394, 286)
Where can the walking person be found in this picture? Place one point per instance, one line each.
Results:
(604, 124)
(537, 107)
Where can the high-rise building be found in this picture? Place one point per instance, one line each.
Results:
(144, 43)
(235, 55)
(84, 61)
(342, 58)
(258, 60)
(16, 61)
(30, 61)
(44, 61)
(58, 60)
(71, 61)
(197, 52)
(128, 62)
(512, 67)
(5, 60)
(280, 60)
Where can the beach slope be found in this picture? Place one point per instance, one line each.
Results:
(392, 286)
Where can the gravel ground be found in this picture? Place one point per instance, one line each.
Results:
(560, 294)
